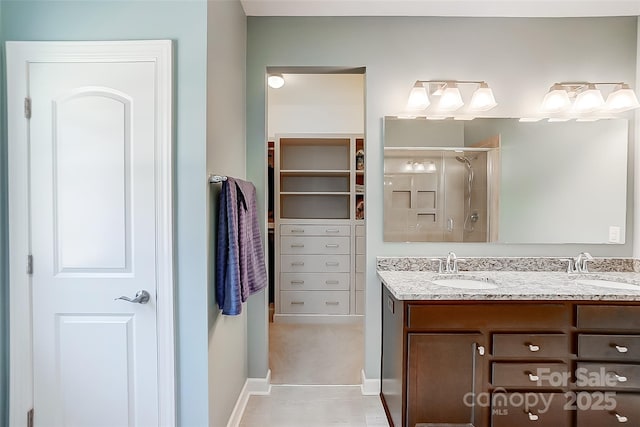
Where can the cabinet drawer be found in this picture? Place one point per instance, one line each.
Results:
(609, 347)
(314, 230)
(360, 245)
(359, 302)
(609, 317)
(315, 263)
(530, 375)
(360, 281)
(607, 376)
(314, 245)
(360, 230)
(314, 302)
(490, 316)
(314, 282)
(594, 409)
(536, 409)
(531, 345)
(360, 263)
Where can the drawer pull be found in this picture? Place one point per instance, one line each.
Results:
(331, 282)
(481, 350)
(532, 416)
(298, 263)
(332, 263)
(297, 230)
(332, 303)
(297, 282)
(533, 348)
(619, 378)
(621, 419)
(332, 230)
(533, 378)
(297, 302)
(331, 245)
(621, 348)
(297, 245)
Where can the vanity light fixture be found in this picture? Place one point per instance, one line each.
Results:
(450, 97)
(584, 101)
(275, 81)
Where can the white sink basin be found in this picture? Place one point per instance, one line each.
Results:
(608, 284)
(464, 283)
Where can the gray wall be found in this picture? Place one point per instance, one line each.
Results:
(185, 22)
(4, 250)
(520, 58)
(226, 123)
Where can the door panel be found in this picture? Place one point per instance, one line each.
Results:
(94, 239)
(88, 155)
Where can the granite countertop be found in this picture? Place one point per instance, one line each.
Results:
(417, 284)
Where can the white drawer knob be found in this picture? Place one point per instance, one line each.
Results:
(332, 303)
(297, 245)
(621, 348)
(332, 264)
(297, 302)
(532, 416)
(332, 230)
(621, 419)
(533, 378)
(297, 230)
(331, 282)
(620, 378)
(481, 350)
(534, 348)
(297, 282)
(331, 245)
(298, 263)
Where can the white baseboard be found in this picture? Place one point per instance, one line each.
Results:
(369, 387)
(257, 386)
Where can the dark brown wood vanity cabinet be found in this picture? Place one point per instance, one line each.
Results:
(510, 363)
(608, 366)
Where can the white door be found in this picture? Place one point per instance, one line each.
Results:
(93, 224)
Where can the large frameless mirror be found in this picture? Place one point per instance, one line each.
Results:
(503, 180)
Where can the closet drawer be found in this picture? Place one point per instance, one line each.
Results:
(529, 375)
(360, 281)
(531, 345)
(609, 317)
(607, 376)
(315, 263)
(314, 281)
(314, 302)
(314, 230)
(314, 245)
(609, 347)
(360, 246)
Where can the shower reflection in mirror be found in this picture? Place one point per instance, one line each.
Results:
(441, 194)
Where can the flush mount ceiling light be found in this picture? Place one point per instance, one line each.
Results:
(275, 81)
(450, 97)
(584, 101)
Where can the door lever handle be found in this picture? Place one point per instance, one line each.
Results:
(142, 297)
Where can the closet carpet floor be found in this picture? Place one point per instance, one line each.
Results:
(316, 354)
(314, 406)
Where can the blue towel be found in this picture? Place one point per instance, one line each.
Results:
(240, 264)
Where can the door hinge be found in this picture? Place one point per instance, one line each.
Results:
(29, 264)
(27, 108)
(30, 418)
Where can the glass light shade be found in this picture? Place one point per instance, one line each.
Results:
(556, 100)
(418, 99)
(588, 100)
(622, 99)
(482, 99)
(451, 99)
(275, 81)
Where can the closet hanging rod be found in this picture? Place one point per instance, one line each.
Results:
(217, 178)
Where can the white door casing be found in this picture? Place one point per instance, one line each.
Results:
(90, 196)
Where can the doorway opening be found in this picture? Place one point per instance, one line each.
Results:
(316, 193)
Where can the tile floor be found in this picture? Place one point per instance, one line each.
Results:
(316, 354)
(314, 406)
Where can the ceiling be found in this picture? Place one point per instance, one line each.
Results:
(477, 8)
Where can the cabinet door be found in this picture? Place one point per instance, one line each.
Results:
(445, 370)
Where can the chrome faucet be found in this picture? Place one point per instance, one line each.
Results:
(451, 265)
(579, 263)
